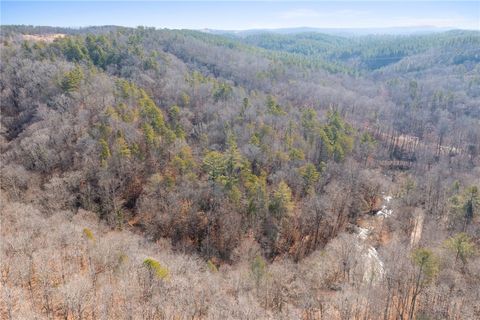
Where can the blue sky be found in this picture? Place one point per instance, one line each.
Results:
(233, 15)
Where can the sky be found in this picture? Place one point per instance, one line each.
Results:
(236, 15)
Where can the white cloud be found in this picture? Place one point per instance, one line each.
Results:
(298, 13)
(311, 16)
(452, 21)
(351, 13)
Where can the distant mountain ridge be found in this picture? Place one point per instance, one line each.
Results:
(338, 31)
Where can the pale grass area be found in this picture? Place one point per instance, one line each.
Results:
(43, 37)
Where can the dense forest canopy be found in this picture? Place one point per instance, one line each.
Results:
(157, 174)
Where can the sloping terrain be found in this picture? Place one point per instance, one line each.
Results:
(163, 174)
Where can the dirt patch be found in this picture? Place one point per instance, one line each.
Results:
(416, 235)
(379, 233)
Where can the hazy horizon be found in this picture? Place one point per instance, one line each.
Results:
(241, 16)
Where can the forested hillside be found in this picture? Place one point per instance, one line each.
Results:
(174, 174)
